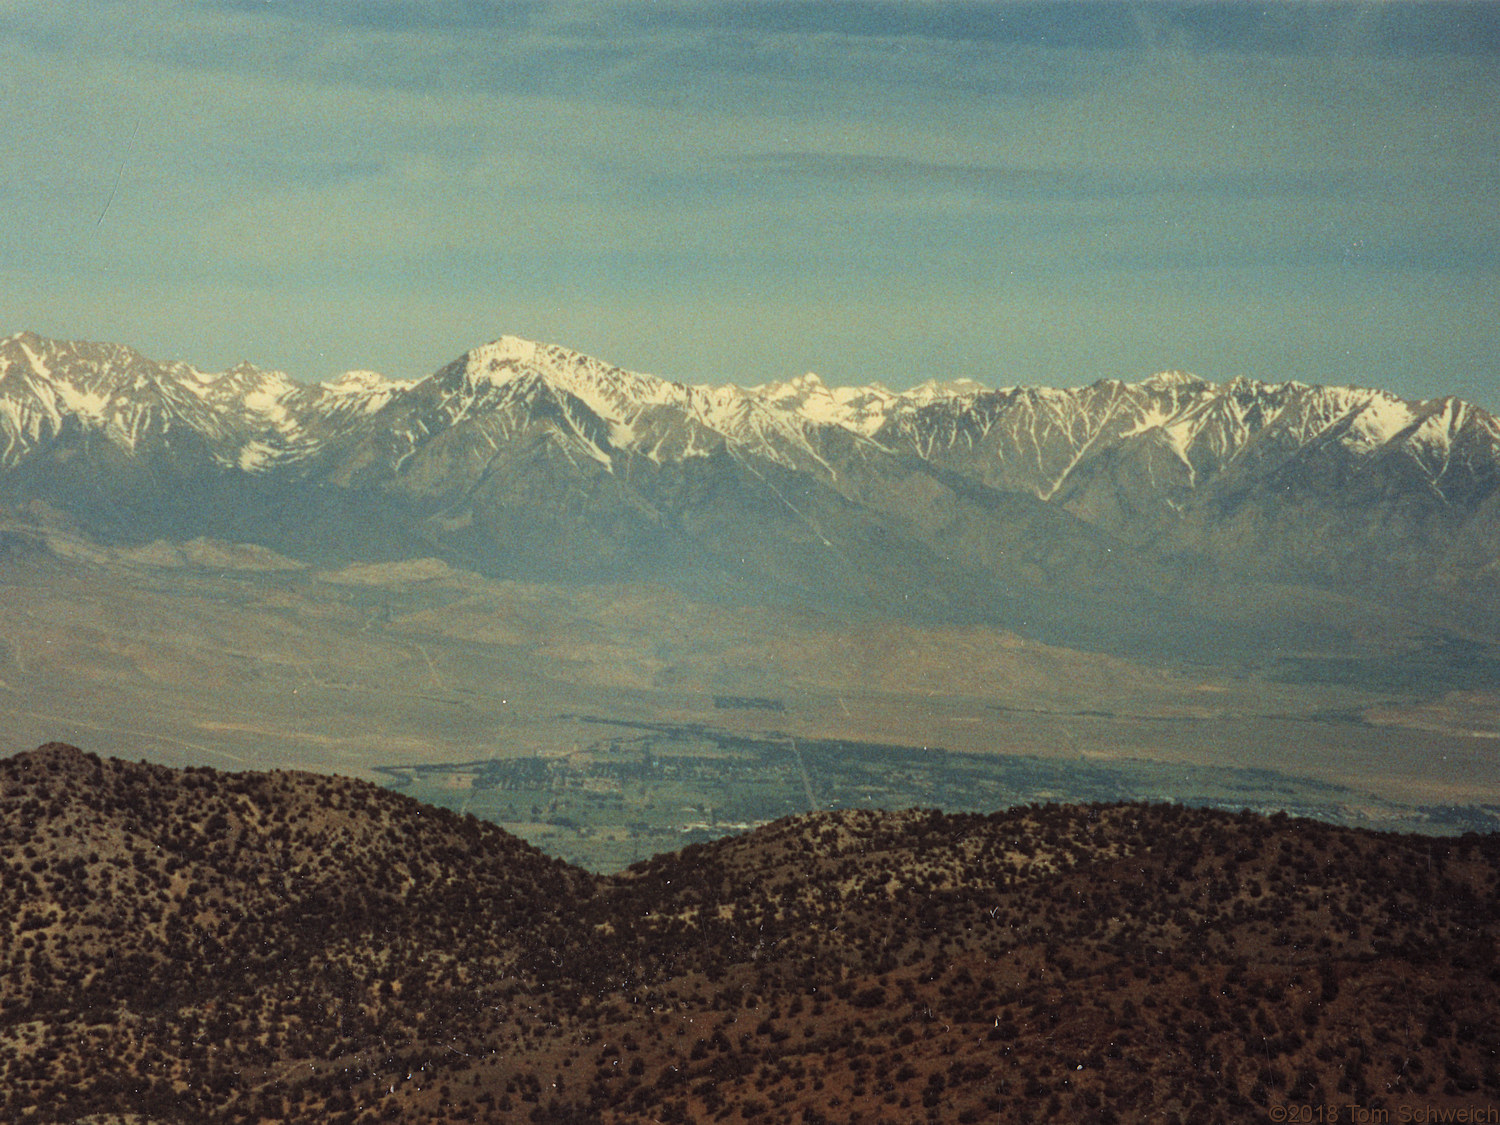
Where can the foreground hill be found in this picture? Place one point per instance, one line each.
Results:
(205, 928)
(194, 946)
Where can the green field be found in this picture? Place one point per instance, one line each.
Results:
(645, 788)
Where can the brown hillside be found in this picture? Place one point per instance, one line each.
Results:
(178, 938)
(192, 946)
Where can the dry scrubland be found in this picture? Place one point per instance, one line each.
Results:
(196, 946)
(374, 665)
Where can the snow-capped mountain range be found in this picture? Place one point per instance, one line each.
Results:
(521, 457)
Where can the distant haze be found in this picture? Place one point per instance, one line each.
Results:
(1040, 194)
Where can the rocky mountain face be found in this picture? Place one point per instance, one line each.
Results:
(195, 946)
(525, 460)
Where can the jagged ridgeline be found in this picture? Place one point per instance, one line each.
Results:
(196, 946)
(1099, 512)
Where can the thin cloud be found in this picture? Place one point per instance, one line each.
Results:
(599, 172)
(1072, 184)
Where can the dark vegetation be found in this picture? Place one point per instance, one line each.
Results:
(195, 946)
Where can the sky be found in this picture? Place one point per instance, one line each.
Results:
(875, 191)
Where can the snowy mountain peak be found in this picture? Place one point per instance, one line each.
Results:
(359, 382)
(507, 350)
(24, 342)
(1177, 432)
(804, 394)
(934, 390)
(1173, 380)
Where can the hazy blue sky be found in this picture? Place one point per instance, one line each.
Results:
(744, 191)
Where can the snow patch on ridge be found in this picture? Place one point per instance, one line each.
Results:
(88, 405)
(255, 455)
(1382, 418)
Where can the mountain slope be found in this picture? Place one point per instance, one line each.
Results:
(1101, 503)
(204, 947)
(297, 915)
